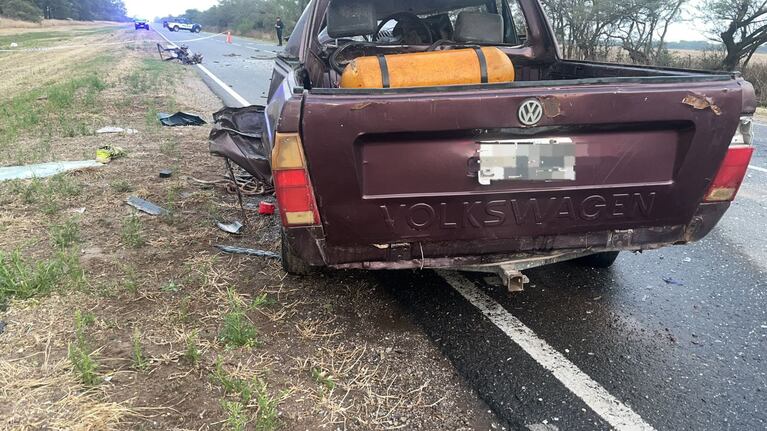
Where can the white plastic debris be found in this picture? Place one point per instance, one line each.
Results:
(14, 45)
(44, 170)
(110, 129)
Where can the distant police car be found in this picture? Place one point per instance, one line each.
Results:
(141, 23)
(183, 24)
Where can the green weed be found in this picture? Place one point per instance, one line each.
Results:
(192, 352)
(80, 353)
(131, 232)
(139, 360)
(130, 279)
(121, 186)
(64, 235)
(23, 280)
(238, 331)
(323, 378)
(236, 418)
(261, 301)
(171, 287)
(48, 194)
(246, 391)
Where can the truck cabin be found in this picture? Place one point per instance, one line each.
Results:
(342, 32)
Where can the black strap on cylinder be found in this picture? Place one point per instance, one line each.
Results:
(384, 71)
(482, 64)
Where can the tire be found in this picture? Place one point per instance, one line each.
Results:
(599, 260)
(197, 29)
(175, 28)
(291, 262)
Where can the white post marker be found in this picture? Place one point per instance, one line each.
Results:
(617, 414)
(241, 100)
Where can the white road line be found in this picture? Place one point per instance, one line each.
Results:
(241, 100)
(757, 168)
(617, 414)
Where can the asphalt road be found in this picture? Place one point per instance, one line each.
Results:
(585, 349)
(244, 65)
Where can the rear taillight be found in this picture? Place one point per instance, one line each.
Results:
(733, 170)
(295, 195)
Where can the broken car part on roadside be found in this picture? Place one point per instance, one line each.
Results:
(180, 119)
(146, 206)
(248, 252)
(235, 228)
(180, 53)
(236, 135)
(44, 170)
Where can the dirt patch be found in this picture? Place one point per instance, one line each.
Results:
(144, 325)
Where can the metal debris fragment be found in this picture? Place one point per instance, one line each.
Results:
(166, 173)
(248, 252)
(180, 119)
(701, 102)
(235, 228)
(146, 206)
(180, 53)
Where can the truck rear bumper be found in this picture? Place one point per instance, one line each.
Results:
(310, 244)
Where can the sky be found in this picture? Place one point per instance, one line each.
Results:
(149, 9)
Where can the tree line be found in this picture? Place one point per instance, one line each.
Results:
(81, 10)
(593, 29)
(245, 16)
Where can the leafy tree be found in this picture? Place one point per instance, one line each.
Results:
(25, 10)
(741, 25)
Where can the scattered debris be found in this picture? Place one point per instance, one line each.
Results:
(671, 281)
(180, 53)
(231, 55)
(166, 173)
(266, 208)
(107, 153)
(248, 252)
(687, 260)
(14, 45)
(77, 210)
(44, 170)
(701, 102)
(106, 130)
(180, 119)
(2, 326)
(235, 228)
(146, 206)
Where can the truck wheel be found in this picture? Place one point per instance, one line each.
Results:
(175, 28)
(197, 29)
(599, 260)
(291, 262)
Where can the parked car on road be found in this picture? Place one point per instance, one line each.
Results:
(183, 24)
(141, 23)
(460, 138)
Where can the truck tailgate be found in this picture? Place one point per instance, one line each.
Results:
(400, 167)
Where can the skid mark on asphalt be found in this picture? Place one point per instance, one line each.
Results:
(617, 414)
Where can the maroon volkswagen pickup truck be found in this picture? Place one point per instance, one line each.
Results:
(452, 134)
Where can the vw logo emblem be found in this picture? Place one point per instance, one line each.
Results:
(530, 112)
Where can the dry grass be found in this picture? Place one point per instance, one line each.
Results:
(156, 313)
(50, 397)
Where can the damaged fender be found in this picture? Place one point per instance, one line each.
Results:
(236, 135)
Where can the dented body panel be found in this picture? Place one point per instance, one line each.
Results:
(396, 173)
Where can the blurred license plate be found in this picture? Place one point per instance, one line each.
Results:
(550, 159)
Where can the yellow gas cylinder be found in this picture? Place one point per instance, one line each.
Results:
(429, 69)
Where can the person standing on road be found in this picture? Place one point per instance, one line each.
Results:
(279, 26)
